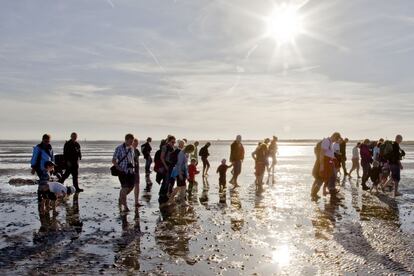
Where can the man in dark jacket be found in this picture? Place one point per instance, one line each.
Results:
(395, 163)
(236, 158)
(72, 154)
(146, 151)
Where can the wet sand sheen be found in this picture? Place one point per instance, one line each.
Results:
(276, 230)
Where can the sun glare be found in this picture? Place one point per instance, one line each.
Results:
(284, 24)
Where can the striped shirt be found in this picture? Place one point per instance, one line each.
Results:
(120, 152)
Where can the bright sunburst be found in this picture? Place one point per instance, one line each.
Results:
(284, 24)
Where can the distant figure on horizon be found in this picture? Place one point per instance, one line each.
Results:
(204, 154)
(72, 155)
(146, 152)
(355, 159)
(236, 159)
(273, 150)
(366, 160)
(123, 160)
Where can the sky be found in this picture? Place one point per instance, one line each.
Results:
(205, 69)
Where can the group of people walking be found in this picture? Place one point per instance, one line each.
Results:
(175, 165)
(380, 162)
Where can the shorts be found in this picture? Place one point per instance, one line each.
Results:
(395, 172)
(127, 180)
(237, 165)
(222, 182)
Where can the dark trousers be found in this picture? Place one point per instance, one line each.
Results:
(74, 171)
(366, 169)
(165, 186)
(148, 163)
(343, 163)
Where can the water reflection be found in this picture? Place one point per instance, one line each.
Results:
(128, 246)
(237, 218)
(174, 230)
(281, 255)
(204, 194)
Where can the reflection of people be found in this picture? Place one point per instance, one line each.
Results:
(129, 244)
(204, 194)
(237, 222)
(72, 214)
(173, 235)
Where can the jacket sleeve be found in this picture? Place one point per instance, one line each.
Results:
(80, 153)
(35, 156)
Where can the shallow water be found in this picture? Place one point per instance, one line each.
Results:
(277, 230)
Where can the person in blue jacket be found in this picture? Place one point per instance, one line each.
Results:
(42, 153)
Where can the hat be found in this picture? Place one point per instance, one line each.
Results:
(223, 161)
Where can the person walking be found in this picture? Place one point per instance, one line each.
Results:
(342, 150)
(204, 154)
(355, 159)
(273, 148)
(123, 160)
(146, 152)
(136, 171)
(366, 160)
(327, 167)
(72, 155)
(236, 159)
(166, 168)
(395, 163)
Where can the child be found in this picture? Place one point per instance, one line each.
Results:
(375, 175)
(43, 188)
(222, 170)
(58, 191)
(192, 171)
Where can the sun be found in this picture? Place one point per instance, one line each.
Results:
(284, 24)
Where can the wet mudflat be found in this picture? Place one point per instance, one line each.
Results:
(273, 230)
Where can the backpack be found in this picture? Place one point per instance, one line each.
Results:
(386, 150)
(157, 161)
(203, 152)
